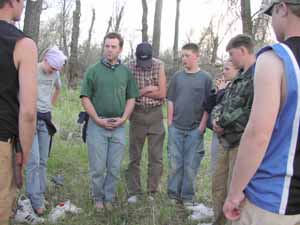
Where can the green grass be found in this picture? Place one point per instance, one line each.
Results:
(69, 158)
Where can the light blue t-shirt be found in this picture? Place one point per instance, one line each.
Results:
(46, 84)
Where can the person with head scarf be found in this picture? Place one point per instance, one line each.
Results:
(18, 60)
(48, 77)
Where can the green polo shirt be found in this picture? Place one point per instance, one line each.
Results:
(108, 88)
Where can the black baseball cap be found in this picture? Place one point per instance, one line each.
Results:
(144, 54)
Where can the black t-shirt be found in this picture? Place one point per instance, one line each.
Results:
(293, 206)
(9, 82)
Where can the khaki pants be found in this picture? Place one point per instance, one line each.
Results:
(145, 123)
(221, 180)
(7, 184)
(252, 215)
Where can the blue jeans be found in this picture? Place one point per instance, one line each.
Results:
(185, 152)
(106, 151)
(37, 166)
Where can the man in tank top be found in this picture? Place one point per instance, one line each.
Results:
(18, 94)
(265, 187)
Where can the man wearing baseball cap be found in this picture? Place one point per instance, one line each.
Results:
(146, 121)
(265, 187)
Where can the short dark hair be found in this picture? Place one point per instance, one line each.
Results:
(241, 40)
(115, 35)
(3, 2)
(295, 9)
(191, 46)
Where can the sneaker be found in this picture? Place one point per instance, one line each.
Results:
(197, 215)
(24, 204)
(200, 208)
(133, 199)
(57, 213)
(205, 224)
(69, 207)
(23, 216)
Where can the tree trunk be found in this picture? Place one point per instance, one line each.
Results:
(118, 19)
(73, 66)
(64, 33)
(215, 49)
(157, 27)
(144, 21)
(91, 30)
(246, 17)
(32, 19)
(107, 30)
(87, 47)
(175, 45)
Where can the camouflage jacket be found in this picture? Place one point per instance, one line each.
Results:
(232, 113)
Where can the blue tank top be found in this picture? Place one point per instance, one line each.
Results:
(276, 185)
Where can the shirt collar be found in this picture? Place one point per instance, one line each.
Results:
(106, 63)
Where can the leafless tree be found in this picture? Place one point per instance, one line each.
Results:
(157, 27)
(73, 67)
(32, 19)
(91, 30)
(65, 6)
(175, 45)
(144, 21)
(246, 17)
(114, 22)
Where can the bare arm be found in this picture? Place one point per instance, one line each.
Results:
(128, 109)
(170, 112)
(258, 132)
(203, 122)
(25, 58)
(55, 95)
(160, 91)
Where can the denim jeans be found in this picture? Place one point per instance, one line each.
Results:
(185, 152)
(106, 151)
(36, 168)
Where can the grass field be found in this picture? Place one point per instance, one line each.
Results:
(69, 158)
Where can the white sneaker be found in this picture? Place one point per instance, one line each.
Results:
(205, 224)
(197, 215)
(24, 204)
(56, 214)
(23, 216)
(200, 208)
(69, 207)
(133, 199)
